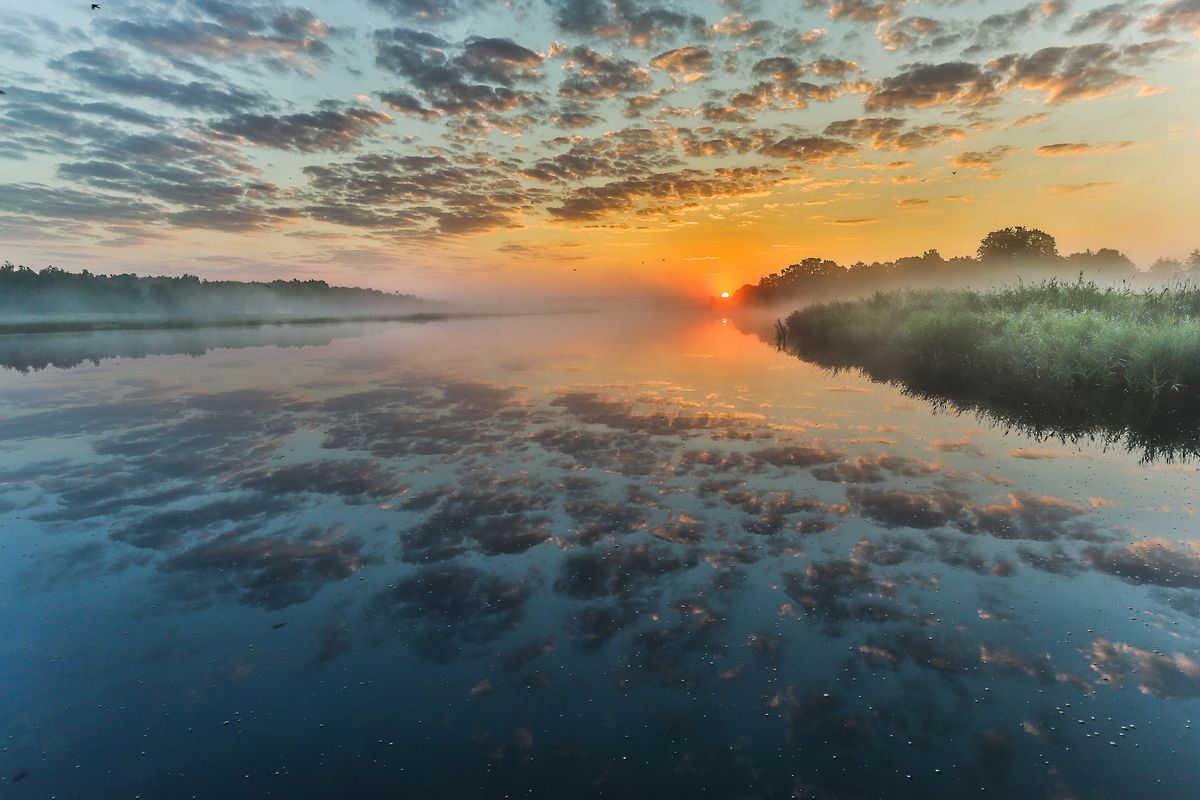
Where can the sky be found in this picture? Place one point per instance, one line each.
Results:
(483, 148)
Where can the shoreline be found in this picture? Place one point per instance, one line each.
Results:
(30, 327)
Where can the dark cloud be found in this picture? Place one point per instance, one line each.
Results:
(329, 128)
(592, 76)
(283, 37)
(917, 33)
(433, 10)
(416, 194)
(926, 85)
(1001, 30)
(638, 23)
(889, 133)
(1067, 74)
(809, 149)
(110, 71)
(627, 152)
(1178, 14)
(659, 194)
(1112, 18)
(474, 84)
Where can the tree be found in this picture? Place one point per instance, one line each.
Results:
(1018, 244)
(1166, 266)
(1193, 261)
(1103, 259)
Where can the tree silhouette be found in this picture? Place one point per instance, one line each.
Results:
(1018, 244)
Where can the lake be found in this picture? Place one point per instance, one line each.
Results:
(593, 555)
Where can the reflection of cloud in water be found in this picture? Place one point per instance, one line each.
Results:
(1023, 516)
(1174, 676)
(1153, 561)
(271, 572)
(443, 609)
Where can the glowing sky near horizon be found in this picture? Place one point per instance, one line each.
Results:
(580, 146)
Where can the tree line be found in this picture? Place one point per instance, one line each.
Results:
(1003, 256)
(52, 291)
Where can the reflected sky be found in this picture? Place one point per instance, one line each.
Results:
(575, 556)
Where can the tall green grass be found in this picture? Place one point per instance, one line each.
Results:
(1067, 359)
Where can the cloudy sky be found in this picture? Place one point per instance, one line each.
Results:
(579, 145)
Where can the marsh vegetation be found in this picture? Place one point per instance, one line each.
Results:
(1054, 359)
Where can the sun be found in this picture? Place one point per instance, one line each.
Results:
(725, 295)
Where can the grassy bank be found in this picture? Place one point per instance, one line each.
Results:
(1055, 359)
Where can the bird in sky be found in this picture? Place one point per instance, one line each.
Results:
(95, 6)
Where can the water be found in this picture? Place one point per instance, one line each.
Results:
(574, 556)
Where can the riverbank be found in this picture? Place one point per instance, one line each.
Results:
(1064, 359)
(29, 326)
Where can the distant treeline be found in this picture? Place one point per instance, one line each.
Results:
(56, 293)
(1004, 256)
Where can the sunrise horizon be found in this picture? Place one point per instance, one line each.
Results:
(579, 146)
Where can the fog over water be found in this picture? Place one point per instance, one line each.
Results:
(575, 555)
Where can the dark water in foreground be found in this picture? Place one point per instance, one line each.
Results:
(571, 557)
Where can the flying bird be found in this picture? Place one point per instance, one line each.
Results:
(95, 6)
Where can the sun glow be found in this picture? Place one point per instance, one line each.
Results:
(725, 295)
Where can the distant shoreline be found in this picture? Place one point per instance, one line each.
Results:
(26, 327)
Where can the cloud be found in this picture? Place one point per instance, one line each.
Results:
(449, 84)
(1182, 14)
(430, 10)
(330, 128)
(415, 194)
(1067, 74)
(810, 149)
(662, 193)
(688, 61)
(860, 10)
(288, 38)
(640, 24)
(111, 71)
(1112, 18)
(927, 85)
(592, 76)
(1080, 188)
(1080, 148)
(983, 160)
(889, 133)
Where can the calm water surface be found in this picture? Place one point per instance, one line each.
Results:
(576, 556)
